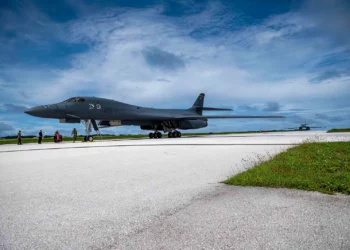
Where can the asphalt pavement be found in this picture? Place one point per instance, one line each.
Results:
(161, 194)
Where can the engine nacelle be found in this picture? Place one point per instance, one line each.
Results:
(151, 127)
(70, 120)
(192, 124)
(146, 127)
(110, 123)
(186, 124)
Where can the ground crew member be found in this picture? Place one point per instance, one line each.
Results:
(19, 138)
(57, 136)
(75, 134)
(40, 137)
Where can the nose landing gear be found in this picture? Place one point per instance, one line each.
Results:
(88, 138)
(88, 128)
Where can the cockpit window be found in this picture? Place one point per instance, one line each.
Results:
(75, 99)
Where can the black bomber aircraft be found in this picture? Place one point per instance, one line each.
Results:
(304, 126)
(111, 113)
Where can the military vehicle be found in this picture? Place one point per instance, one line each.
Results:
(110, 113)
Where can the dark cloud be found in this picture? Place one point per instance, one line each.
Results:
(330, 16)
(162, 80)
(162, 59)
(298, 109)
(339, 58)
(325, 76)
(5, 127)
(271, 106)
(13, 108)
(248, 107)
(23, 94)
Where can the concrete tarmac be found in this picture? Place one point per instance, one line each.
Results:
(161, 194)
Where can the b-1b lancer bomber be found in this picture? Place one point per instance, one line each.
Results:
(304, 126)
(111, 113)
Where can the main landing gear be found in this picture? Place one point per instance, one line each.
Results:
(174, 134)
(155, 135)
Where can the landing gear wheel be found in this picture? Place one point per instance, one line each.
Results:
(151, 135)
(170, 135)
(90, 138)
(159, 134)
(178, 134)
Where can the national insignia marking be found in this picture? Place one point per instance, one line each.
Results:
(98, 106)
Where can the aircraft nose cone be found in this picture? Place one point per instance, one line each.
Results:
(36, 111)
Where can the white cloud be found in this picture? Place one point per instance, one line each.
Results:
(269, 62)
(116, 68)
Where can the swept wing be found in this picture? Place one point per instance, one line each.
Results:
(151, 116)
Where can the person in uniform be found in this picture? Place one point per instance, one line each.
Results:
(75, 135)
(19, 138)
(57, 136)
(40, 137)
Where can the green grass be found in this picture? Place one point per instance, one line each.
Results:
(338, 130)
(313, 166)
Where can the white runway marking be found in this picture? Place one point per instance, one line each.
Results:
(104, 194)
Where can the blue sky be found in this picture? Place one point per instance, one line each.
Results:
(257, 57)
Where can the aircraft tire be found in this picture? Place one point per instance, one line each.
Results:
(170, 135)
(151, 135)
(159, 134)
(90, 138)
(178, 134)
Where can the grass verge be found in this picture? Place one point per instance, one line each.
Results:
(314, 166)
(338, 130)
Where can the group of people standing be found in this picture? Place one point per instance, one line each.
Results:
(57, 136)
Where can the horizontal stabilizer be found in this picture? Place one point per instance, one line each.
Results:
(166, 117)
(237, 117)
(216, 109)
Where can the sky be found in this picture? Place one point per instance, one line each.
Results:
(272, 57)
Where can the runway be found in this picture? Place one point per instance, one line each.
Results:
(161, 194)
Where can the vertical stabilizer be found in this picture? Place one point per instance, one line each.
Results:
(198, 104)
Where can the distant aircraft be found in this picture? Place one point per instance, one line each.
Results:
(305, 126)
(111, 113)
